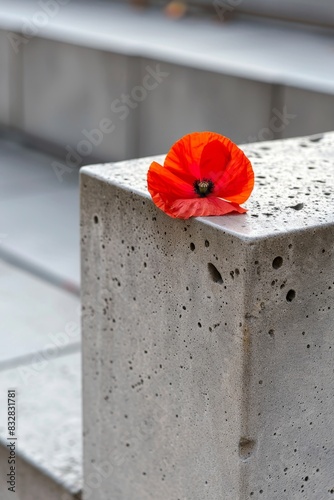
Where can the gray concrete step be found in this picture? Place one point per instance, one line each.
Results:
(40, 359)
(49, 430)
(39, 215)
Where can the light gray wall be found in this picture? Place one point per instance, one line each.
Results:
(53, 91)
(190, 99)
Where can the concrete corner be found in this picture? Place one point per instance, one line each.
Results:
(208, 343)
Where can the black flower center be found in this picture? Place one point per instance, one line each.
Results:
(203, 188)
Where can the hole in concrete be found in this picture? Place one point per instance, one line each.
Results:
(246, 448)
(299, 206)
(96, 219)
(290, 295)
(192, 247)
(214, 273)
(271, 333)
(206, 243)
(277, 262)
(316, 138)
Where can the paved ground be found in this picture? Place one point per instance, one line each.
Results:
(40, 340)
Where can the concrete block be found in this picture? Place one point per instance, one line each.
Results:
(208, 343)
(313, 112)
(48, 429)
(72, 96)
(202, 100)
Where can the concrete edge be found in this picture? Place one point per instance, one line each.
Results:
(27, 461)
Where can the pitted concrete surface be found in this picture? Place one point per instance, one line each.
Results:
(294, 185)
(208, 343)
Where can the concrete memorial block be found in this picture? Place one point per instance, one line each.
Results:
(208, 344)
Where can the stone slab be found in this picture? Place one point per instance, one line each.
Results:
(49, 240)
(26, 171)
(49, 426)
(208, 343)
(76, 88)
(39, 214)
(263, 51)
(215, 96)
(313, 112)
(31, 482)
(38, 320)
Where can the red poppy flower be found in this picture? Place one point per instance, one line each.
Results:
(204, 173)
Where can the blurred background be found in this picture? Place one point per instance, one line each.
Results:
(86, 81)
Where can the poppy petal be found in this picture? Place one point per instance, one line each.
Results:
(215, 156)
(202, 207)
(236, 181)
(161, 180)
(184, 157)
(198, 157)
